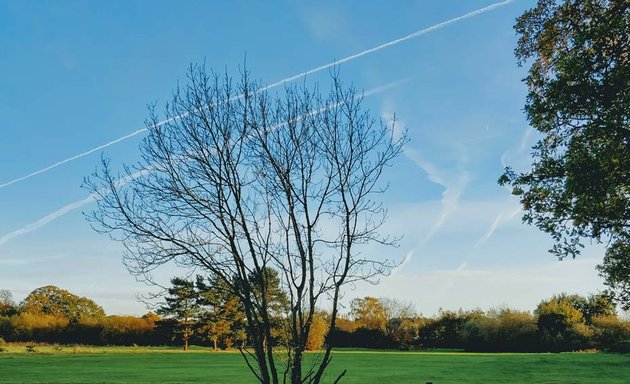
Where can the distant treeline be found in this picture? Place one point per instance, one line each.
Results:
(561, 323)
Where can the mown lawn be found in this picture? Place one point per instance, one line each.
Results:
(128, 365)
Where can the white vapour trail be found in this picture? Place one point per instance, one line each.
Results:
(69, 159)
(277, 83)
(405, 260)
(65, 209)
(453, 184)
(91, 198)
(394, 42)
(46, 219)
(499, 219)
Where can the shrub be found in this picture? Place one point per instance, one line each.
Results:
(621, 347)
(127, 330)
(38, 327)
(609, 331)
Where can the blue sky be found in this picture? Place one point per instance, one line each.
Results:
(77, 75)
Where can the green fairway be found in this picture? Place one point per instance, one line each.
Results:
(122, 365)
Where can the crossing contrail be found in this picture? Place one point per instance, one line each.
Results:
(419, 33)
(124, 180)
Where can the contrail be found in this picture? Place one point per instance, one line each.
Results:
(69, 159)
(121, 182)
(65, 209)
(393, 42)
(280, 82)
(46, 219)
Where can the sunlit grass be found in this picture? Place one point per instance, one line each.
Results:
(88, 364)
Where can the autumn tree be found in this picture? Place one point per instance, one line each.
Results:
(318, 332)
(237, 180)
(51, 300)
(369, 312)
(221, 313)
(181, 305)
(578, 186)
(400, 320)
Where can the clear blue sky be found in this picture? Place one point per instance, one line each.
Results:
(76, 75)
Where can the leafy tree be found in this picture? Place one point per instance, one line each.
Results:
(609, 331)
(237, 180)
(7, 305)
(447, 330)
(267, 288)
(51, 300)
(369, 313)
(400, 318)
(564, 320)
(579, 100)
(181, 305)
(318, 332)
(221, 311)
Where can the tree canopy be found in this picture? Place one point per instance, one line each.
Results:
(578, 186)
(182, 305)
(51, 300)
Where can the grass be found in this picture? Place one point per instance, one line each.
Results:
(168, 365)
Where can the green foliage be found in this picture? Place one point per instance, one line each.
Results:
(565, 321)
(50, 300)
(501, 330)
(5, 327)
(446, 330)
(579, 183)
(221, 317)
(181, 304)
(609, 332)
(616, 269)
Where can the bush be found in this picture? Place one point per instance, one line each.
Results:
(609, 331)
(38, 327)
(127, 330)
(446, 330)
(621, 347)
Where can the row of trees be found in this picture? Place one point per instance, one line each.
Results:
(54, 315)
(207, 310)
(202, 312)
(562, 323)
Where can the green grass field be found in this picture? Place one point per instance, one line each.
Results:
(160, 365)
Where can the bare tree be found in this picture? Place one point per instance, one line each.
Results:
(238, 181)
